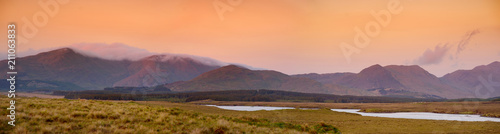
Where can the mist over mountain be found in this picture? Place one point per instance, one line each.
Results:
(160, 69)
(68, 65)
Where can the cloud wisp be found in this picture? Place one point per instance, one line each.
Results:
(115, 51)
(436, 56)
(465, 40)
(119, 51)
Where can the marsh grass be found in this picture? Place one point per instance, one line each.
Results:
(349, 122)
(34, 115)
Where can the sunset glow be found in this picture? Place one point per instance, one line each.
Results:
(290, 36)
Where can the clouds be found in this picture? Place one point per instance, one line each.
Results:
(433, 56)
(436, 56)
(465, 40)
(115, 51)
(119, 51)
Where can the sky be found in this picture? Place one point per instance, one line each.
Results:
(290, 36)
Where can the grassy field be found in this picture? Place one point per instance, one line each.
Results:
(486, 108)
(35, 115)
(347, 123)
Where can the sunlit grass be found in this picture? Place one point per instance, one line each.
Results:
(34, 115)
(348, 122)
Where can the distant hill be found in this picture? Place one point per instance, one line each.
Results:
(470, 80)
(324, 78)
(68, 66)
(237, 78)
(393, 80)
(67, 69)
(160, 69)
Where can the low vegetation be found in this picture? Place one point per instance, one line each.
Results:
(348, 123)
(36, 115)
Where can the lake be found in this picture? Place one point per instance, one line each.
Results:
(250, 108)
(403, 115)
(423, 115)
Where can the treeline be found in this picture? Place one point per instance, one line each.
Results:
(233, 95)
(34, 85)
(474, 99)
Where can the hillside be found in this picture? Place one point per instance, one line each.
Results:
(66, 65)
(67, 69)
(236, 78)
(480, 82)
(92, 73)
(160, 69)
(392, 80)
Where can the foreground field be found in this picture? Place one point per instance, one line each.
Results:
(34, 115)
(347, 123)
(486, 108)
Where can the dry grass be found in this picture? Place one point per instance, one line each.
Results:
(22, 94)
(35, 115)
(346, 122)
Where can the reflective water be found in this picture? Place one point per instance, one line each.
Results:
(404, 115)
(250, 108)
(422, 115)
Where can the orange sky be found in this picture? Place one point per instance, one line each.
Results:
(291, 36)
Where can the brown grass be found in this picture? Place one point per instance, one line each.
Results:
(23, 94)
(346, 122)
(35, 115)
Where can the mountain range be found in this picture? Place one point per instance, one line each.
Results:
(92, 73)
(67, 69)
(233, 77)
(391, 80)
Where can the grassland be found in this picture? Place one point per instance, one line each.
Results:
(346, 122)
(485, 108)
(35, 115)
(23, 94)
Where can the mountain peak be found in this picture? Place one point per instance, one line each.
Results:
(376, 65)
(232, 66)
(372, 68)
(62, 51)
(494, 63)
(58, 54)
(405, 68)
(231, 70)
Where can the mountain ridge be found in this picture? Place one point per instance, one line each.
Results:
(89, 72)
(67, 66)
(232, 77)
